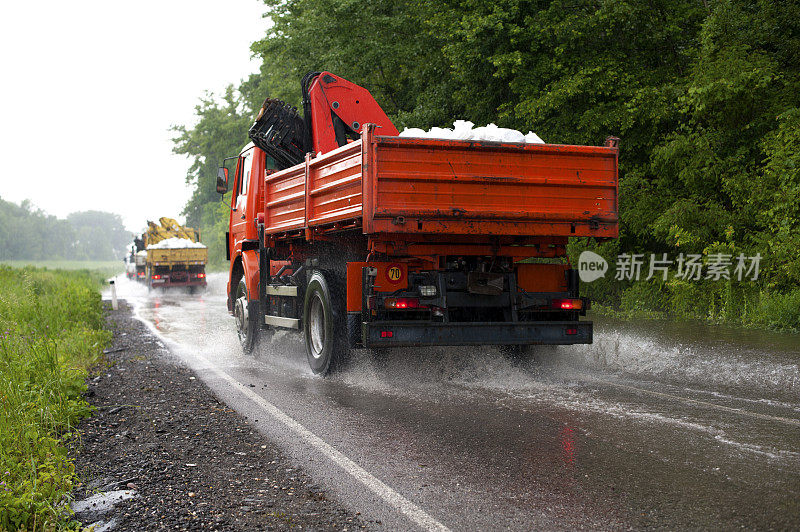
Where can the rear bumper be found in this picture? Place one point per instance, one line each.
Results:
(409, 333)
(162, 283)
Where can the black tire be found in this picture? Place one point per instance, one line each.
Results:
(324, 325)
(247, 322)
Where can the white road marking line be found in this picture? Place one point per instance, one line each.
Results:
(699, 402)
(390, 496)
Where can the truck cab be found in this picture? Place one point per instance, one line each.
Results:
(248, 170)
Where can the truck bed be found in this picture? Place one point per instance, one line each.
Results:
(177, 256)
(383, 184)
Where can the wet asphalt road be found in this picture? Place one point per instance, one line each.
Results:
(656, 425)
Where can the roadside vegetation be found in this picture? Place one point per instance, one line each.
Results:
(51, 332)
(726, 301)
(704, 95)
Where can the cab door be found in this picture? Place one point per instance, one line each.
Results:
(239, 200)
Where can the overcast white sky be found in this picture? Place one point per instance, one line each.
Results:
(90, 88)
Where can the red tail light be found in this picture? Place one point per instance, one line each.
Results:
(200, 275)
(156, 277)
(387, 334)
(401, 303)
(571, 332)
(141, 274)
(567, 304)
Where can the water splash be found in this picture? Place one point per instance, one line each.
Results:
(695, 364)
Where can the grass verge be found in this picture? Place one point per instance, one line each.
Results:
(726, 303)
(108, 268)
(750, 302)
(51, 332)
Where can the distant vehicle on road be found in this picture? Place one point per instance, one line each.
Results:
(170, 255)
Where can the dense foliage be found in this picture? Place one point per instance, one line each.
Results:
(704, 94)
(27, 233)
(51, 330)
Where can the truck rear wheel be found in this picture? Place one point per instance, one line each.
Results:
(324, 329)
(246, 319)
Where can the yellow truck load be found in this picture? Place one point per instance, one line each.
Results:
(174, 255)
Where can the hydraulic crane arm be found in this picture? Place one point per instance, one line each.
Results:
(335, 110)
(339, 110)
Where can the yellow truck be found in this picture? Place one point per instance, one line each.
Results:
(173, 255)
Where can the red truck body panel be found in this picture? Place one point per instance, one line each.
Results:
(446, 187)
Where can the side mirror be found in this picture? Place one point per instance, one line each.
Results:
(222, 180)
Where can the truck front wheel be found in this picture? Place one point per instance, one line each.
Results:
(246, 319)
(324, 326)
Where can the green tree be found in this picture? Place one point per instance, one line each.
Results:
(385, 46)
(28, 233)
(98, 235)
(220, 132)
(726, 167)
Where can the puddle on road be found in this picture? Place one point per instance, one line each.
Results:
(97, 509)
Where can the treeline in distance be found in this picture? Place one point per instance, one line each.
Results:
(27, 233)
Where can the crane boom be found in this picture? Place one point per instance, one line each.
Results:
(335, 113)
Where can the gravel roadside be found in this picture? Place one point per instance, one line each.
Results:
(169, 455)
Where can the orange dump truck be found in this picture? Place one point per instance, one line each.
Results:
(387, 241)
